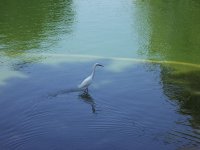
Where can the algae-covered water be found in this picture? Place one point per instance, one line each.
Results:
(146, 97)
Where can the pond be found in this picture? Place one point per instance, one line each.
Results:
(147, 95)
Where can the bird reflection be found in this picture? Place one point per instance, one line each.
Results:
(87, 98)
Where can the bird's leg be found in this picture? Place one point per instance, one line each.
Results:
(86, 91)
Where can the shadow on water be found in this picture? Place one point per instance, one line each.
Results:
(66, 91)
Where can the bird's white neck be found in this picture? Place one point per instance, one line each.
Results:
(93, 71)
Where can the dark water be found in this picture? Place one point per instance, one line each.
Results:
(146, 97)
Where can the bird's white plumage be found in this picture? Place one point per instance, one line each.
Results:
(87, 81)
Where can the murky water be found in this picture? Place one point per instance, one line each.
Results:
(146, 97)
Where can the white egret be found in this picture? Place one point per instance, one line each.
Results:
(87, 81)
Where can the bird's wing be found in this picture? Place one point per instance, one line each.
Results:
(85, 83)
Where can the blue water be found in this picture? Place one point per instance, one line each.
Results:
(146, 97)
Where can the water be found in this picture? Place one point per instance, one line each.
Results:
(146, 97)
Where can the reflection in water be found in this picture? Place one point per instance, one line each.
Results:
(169, 30)
(135, 111)
(183, 87)
(87, 98)
(36, 25)
(31, 26)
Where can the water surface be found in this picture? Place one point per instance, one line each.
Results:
(146, 97)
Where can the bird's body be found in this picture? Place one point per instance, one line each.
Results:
(87, 81)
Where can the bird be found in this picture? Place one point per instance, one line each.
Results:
(87, 81)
